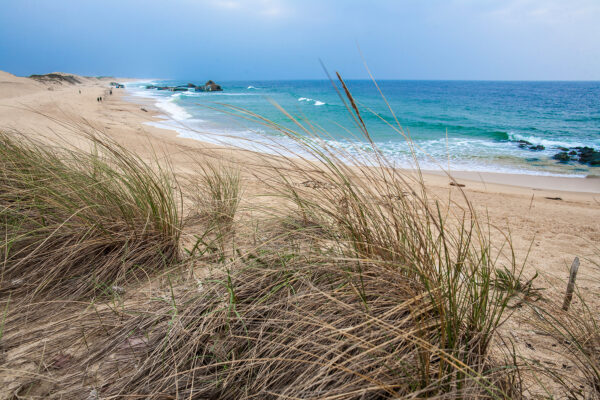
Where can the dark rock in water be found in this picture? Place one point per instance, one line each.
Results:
(563, 157)
(592, 158)
(587, 155)
(563, 148)
(209, 86)
(583, 155)
(524, 143)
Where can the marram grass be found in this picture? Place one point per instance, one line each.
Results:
(75, 223)
(374, 288)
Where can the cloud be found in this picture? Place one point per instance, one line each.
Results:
(544, 11)
(266, 8)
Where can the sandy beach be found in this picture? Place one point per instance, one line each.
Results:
(551, 219)
(560, 216)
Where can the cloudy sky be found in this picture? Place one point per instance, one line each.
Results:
(284, 39)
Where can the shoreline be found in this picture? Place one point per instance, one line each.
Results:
(589, 184)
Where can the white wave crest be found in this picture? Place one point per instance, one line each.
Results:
(315, 102)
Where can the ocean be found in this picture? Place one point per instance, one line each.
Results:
(510, 127)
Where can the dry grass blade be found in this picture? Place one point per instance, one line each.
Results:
(296, 328)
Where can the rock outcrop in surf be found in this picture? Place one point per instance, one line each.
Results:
(209, 86)
(583, 155)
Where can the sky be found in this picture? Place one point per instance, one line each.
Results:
(285, 39)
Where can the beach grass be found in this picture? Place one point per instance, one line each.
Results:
(75, 223)
(369, 287)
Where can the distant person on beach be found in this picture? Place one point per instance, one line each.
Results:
(110, 92)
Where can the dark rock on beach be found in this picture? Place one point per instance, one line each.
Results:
(539, 147)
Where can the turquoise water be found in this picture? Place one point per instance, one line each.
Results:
(468, 125)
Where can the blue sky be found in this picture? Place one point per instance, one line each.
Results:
(284, 39)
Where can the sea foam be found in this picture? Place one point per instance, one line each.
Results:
(175, 111)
